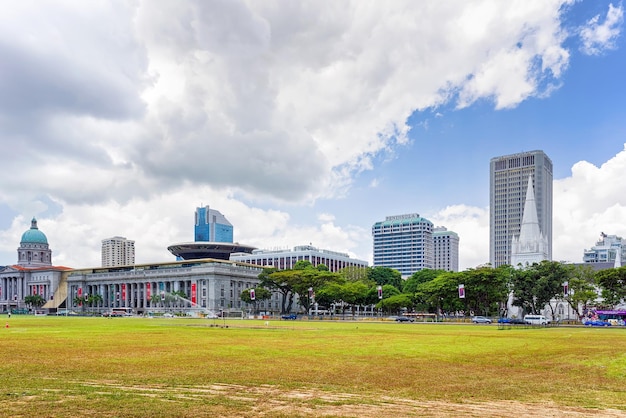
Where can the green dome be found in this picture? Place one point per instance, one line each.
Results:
(34, 235)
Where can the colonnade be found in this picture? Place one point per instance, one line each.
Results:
(141, 295)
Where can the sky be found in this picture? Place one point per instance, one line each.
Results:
(303, 122)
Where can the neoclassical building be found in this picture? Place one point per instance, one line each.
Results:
(33, 274)
(208, 284)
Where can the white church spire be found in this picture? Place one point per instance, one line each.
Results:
(531, 246)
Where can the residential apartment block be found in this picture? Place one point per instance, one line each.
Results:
(118, 251)
(445, 249)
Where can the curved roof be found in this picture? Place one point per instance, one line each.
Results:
(206, 249)
(34, 235)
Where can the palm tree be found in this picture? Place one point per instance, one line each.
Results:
(35, 300)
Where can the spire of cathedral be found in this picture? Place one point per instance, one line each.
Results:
(531, 246)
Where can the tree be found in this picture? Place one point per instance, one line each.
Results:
(80, 300)
(34, 300)
(581, 291)
(395, 303)
(442, 293)
(275, 280)
(419, 277)
(94, 299)
(313, 279)
(385, 275)
(486, 288)
(355, 273)
(388, 292)
(155, 300)
(260, 293)
(613, 284)
(330, 293)
(354, 294)
(534, 286)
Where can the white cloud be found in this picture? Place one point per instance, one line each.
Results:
(472, 226)
(129, 115)
(597, 36)
(591, 201)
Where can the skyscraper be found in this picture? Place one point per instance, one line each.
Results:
(404, 243)
(212, 226)
(446, 249)
(118, 251)
(509, 176)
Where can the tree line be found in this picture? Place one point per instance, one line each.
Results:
(486, 289)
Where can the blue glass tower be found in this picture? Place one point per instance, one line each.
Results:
(212, 226)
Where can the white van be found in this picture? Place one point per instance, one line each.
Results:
(535, 320)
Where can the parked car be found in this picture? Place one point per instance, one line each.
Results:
(481, 320)
(66, 312)
(511, 321)
(404, 319)
(598, 323)
(112, 314)
(292, 316)
(536, 320)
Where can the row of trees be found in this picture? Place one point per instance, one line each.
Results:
(487, 289)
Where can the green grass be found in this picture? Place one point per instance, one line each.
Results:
(132, 367)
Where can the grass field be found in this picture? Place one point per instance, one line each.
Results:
(140, 367)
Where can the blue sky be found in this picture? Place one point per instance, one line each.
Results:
(303, 122)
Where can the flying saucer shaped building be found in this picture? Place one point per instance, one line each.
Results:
(199, 250)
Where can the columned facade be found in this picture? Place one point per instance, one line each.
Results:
(213, 285)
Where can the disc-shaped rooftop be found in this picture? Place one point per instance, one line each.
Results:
(205, 249)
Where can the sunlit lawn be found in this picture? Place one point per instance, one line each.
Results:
(69, 366)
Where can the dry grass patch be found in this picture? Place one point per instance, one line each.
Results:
(132, 367)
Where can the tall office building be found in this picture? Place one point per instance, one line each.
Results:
(404, 243)
(509, 176)
(445, 249)
(212, 226)
(118, 251)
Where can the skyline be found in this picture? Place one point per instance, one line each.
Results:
(303, 124)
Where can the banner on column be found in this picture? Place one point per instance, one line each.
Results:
(41, 289)
(148, 291)
(462, 291)
(124, 291)
(79, 293)
(34, 289)
(193, 293)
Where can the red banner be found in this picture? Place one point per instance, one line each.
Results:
(193, 293)
(34, 289)
(148, 291)
(80, 292)
(41, 289)
(124, 291)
